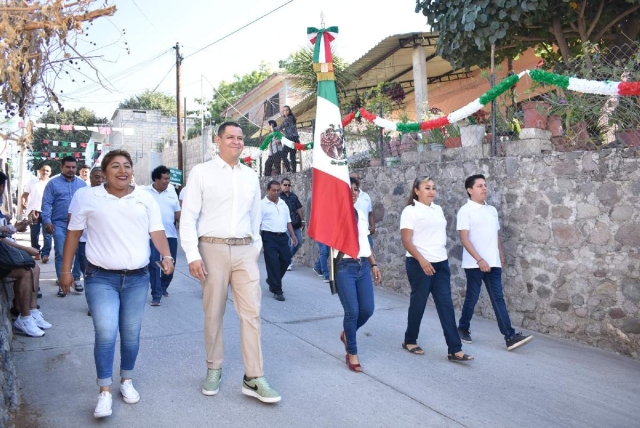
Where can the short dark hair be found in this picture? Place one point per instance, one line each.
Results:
(273, 122)
(224, 125)
(68, 159)
(272, 183)
(84, 167)
(355, 181)
(285, 179)
(158, 172)
(42, 165)
(112, 154)
(470, 181)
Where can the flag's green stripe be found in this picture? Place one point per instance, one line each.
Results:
(327, 90)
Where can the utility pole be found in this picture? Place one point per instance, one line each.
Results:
(179, 122)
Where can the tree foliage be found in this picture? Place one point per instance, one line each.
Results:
(467, 28)
(38, 44)
(228, 93)
(81, 116)
(150, 100)
(300, 65)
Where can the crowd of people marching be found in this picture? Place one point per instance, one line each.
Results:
(122, 239)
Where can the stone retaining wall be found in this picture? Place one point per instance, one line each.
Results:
(8, 389)
(570, 227)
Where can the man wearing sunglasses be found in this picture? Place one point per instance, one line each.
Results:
(297, 217)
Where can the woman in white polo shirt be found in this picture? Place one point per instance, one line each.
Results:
(119, 219)
(355, 287)
(424, 236)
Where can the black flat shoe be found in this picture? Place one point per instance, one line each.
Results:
(459, 358)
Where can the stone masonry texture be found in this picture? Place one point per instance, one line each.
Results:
(8, 387)
(570, 227)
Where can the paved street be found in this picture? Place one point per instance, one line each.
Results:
(549, 383)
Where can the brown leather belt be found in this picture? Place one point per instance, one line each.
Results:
(228, 241)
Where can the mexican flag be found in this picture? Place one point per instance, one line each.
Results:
(333, 220)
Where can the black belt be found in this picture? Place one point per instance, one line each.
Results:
(125, 272)
(273, 233)
(358, 260)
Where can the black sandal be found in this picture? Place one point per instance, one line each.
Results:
(456, 358)
(415, 350)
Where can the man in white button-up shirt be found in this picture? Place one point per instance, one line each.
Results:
(170, 209)
(276, 221)
(482, 261)
(220, 235)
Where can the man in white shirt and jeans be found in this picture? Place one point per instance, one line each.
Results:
(482, 261)
(32, 202)
(170, 209)
(220, 235)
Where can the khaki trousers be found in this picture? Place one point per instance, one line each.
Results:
(236, 265)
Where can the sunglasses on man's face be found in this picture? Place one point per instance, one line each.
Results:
(286, 185)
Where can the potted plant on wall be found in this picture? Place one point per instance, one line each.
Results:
(535, 114)
(452, 139)
(473, 133)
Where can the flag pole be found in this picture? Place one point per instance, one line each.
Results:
(332, 272)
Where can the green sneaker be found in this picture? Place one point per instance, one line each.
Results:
(259, 388)
(211, 384)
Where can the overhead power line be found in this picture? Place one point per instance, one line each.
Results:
(239, 29)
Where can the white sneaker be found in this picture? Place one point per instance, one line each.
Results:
(129, 393)
(28, 326)
(103, 408)
(290, 266)
(40, 321)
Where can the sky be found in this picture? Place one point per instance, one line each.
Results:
(131, 42)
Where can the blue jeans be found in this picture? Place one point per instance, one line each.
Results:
(355, 290)
(294, 249)
(439, 286)
(158, 281)
(81, 257)
(59, 236)
(117, 304)
(322, 264)
(35, 237)
(493, 282)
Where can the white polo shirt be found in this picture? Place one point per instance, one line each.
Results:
(481, 220)
(363, 204)
(363, 236)
(429, 230)
(169, 206)
(275, 216)
(117, 228)
(35, 188)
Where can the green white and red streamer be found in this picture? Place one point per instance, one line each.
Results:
(610, 88)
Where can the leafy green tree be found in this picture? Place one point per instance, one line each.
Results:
(81, 116)
(467, 28)
(228, 93)
(150, 100)
(300, 65)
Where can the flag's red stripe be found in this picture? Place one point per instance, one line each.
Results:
(327, 47)
(333, 220)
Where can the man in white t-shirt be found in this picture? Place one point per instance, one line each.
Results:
(170, 209)
(482, 261)
(32, 203)
(365, 205)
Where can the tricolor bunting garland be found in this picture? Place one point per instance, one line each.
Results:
(332, 219)
(584, 86)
